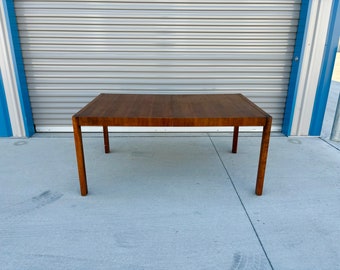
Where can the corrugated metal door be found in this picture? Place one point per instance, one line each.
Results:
(74, 50)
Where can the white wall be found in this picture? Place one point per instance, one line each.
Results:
(9, 78)
(311, 66)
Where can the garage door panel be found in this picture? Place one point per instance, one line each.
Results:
(74, 50)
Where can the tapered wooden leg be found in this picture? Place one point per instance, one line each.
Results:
(106, 139)
(78, 142)
(263, 157)
(235, 139)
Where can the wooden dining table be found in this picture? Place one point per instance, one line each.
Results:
(175, 110)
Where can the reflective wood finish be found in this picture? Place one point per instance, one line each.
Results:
(171, 110)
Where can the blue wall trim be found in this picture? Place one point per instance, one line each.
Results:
(327, 67)
(19, 67)
(5, 123)
(296, 67)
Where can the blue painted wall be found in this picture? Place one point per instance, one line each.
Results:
(19, 67)
(5, 123)
(296, 67)
(326, 71)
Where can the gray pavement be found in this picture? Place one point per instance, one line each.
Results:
(169, 201)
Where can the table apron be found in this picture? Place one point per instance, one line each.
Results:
(183, 122)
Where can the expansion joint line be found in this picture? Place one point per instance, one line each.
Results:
(242, 204)
(330, 144)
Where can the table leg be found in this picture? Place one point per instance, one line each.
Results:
(235, 139)
(263, 156)
(78, 142)
(106, 139)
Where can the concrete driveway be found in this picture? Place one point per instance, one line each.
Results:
(169, 201)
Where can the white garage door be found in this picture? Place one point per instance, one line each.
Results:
(74, 50)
